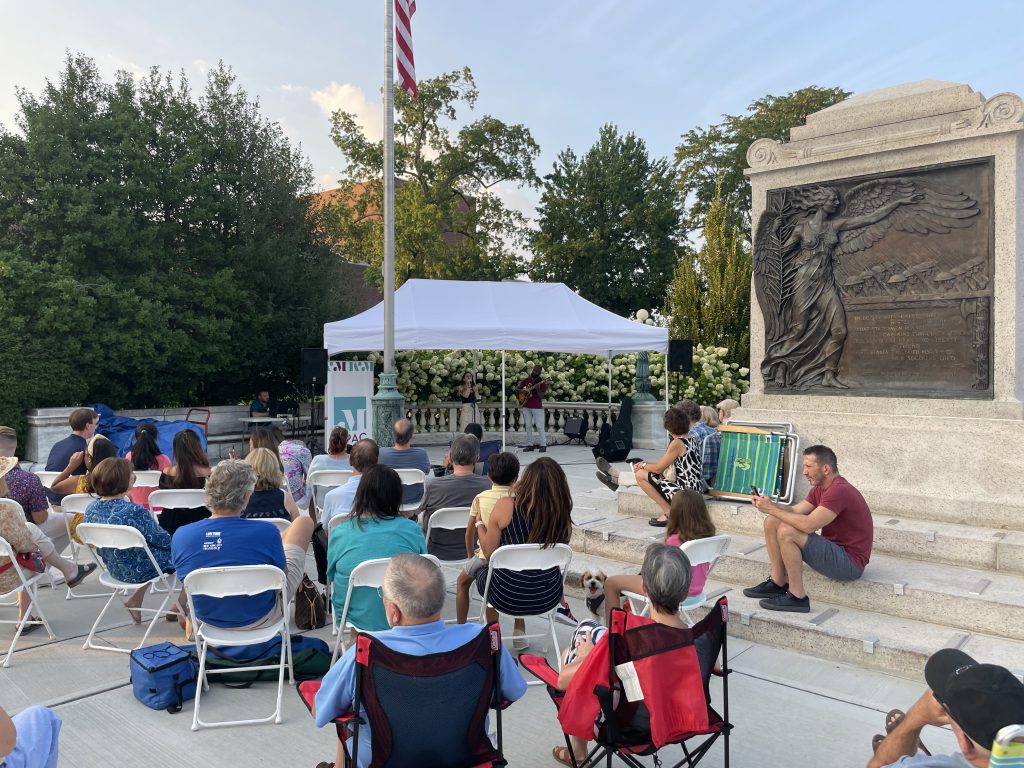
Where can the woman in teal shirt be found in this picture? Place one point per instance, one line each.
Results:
(376, 529)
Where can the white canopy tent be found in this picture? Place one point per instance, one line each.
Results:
(456, 314)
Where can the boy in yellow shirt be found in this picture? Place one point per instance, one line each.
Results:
(503, 470)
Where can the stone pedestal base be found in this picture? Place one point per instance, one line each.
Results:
(388, 407)
(648, 431)
(952, 461)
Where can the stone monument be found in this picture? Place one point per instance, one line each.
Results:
(889, 285)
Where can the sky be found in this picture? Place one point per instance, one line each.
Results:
(561, 67)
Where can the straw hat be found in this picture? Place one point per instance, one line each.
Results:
(7, 463)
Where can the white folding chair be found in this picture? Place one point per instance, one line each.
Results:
(147, 478)
(529, 557)
(323, 480)
(278, 522)
(411, 477)
(177, 498)
(28, 581)
(45, 476)
(236, 581)
(451, 519)
(72, 504)
(699, 552)
(369, 573)
(105, 536)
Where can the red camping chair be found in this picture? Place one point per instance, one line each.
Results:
(673, 668)
(396, 689)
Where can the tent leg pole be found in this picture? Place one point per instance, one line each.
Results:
(609, 387)
(503, 399)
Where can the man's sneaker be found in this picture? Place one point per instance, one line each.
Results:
(607, 481)
(608, 469)
(564, 615)
(542, 448)
(766, 588)
(786, 602)
(527, 448)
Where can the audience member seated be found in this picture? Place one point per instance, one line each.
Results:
(712, 443)
(27, 489)
(338, 501)
(665, 579)
(538, 512)
(189, 471)
(30, 738)
(725, 409)
(413, 597)
(704, 435)
(503, 472)
(376, 529)
(24, 537)
(839, 552)
(975, 700)
(688, 519)
(264, 437)
(487, 449)
(225, 539)
(683, 454)
(336, 456)
(84, 422)
(67, 482)
(405, 456)
(455, 490)
(295, 458)
(111, 480)
(145, 455)
(269, 499)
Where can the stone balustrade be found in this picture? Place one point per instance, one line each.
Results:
(437, 422)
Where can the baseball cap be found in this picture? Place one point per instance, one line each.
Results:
(980, 698)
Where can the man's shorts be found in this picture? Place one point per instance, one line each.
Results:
(829, 559)
(474, 566)
(294, 570)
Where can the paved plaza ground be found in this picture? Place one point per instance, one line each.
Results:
(788, 709)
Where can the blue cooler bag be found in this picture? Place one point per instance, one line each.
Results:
(163, 676)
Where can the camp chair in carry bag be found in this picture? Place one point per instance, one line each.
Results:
(646, 686)
(395, 689)
(756, 456)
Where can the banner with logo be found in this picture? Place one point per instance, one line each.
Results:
(350, 398)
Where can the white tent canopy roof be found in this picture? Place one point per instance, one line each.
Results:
(457, 314)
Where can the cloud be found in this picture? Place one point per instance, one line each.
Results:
(201, 66)
(328, 180)
(350, 98)
(289, 88)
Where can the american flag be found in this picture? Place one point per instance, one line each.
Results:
(404, 9)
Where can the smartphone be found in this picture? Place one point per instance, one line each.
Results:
(753, 490)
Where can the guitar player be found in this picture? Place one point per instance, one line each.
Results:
(531, 401)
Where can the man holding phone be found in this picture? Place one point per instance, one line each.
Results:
(840, 551)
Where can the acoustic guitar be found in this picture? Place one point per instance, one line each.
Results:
(524, 392)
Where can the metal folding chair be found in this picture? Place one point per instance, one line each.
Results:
(323, 480)
(411, 477)
(27, 585)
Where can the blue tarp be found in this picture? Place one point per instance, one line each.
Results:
(120, 430)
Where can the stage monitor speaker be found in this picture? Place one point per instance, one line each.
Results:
(575, 428)
(680, 355)
(313, 370)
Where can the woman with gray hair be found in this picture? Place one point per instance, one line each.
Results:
(665, 574)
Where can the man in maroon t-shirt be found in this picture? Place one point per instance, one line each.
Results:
(840, 551)
(534, 388)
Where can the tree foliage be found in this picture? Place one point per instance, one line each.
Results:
(449, 221)
(717, 155)
(609, 224)
(709, 299)
(156, 248)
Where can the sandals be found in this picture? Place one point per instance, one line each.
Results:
(83, 571)
(561, 755)
(657, 523)
(892, 719)
(29, 627)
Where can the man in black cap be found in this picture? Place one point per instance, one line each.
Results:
(976, 700)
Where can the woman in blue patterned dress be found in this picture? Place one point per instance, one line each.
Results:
(111, 480)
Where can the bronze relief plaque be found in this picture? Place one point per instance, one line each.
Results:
(879, 285)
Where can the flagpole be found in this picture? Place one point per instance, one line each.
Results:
(388, 405)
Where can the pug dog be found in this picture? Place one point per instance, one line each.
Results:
(593, 588)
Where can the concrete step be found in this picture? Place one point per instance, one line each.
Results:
(891, 644)
(968, 599)
(926, 540)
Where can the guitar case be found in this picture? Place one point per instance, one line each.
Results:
(616, 441)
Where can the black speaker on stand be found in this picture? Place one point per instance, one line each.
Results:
(313, 374)
(680, 359)
(576, 429)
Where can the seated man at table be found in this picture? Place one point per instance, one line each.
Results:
(260, 407)
(225, 539)
(413, 594)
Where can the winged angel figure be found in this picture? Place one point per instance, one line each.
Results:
(800, 238)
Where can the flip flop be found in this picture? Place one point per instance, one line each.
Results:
(29, 628)
(876, 741)
(83, 571)
(893, 718)
(561, 755)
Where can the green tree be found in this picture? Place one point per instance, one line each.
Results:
(709, 299)
(449, 222)
(155, 248)
(609, 224)
(717, 155)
